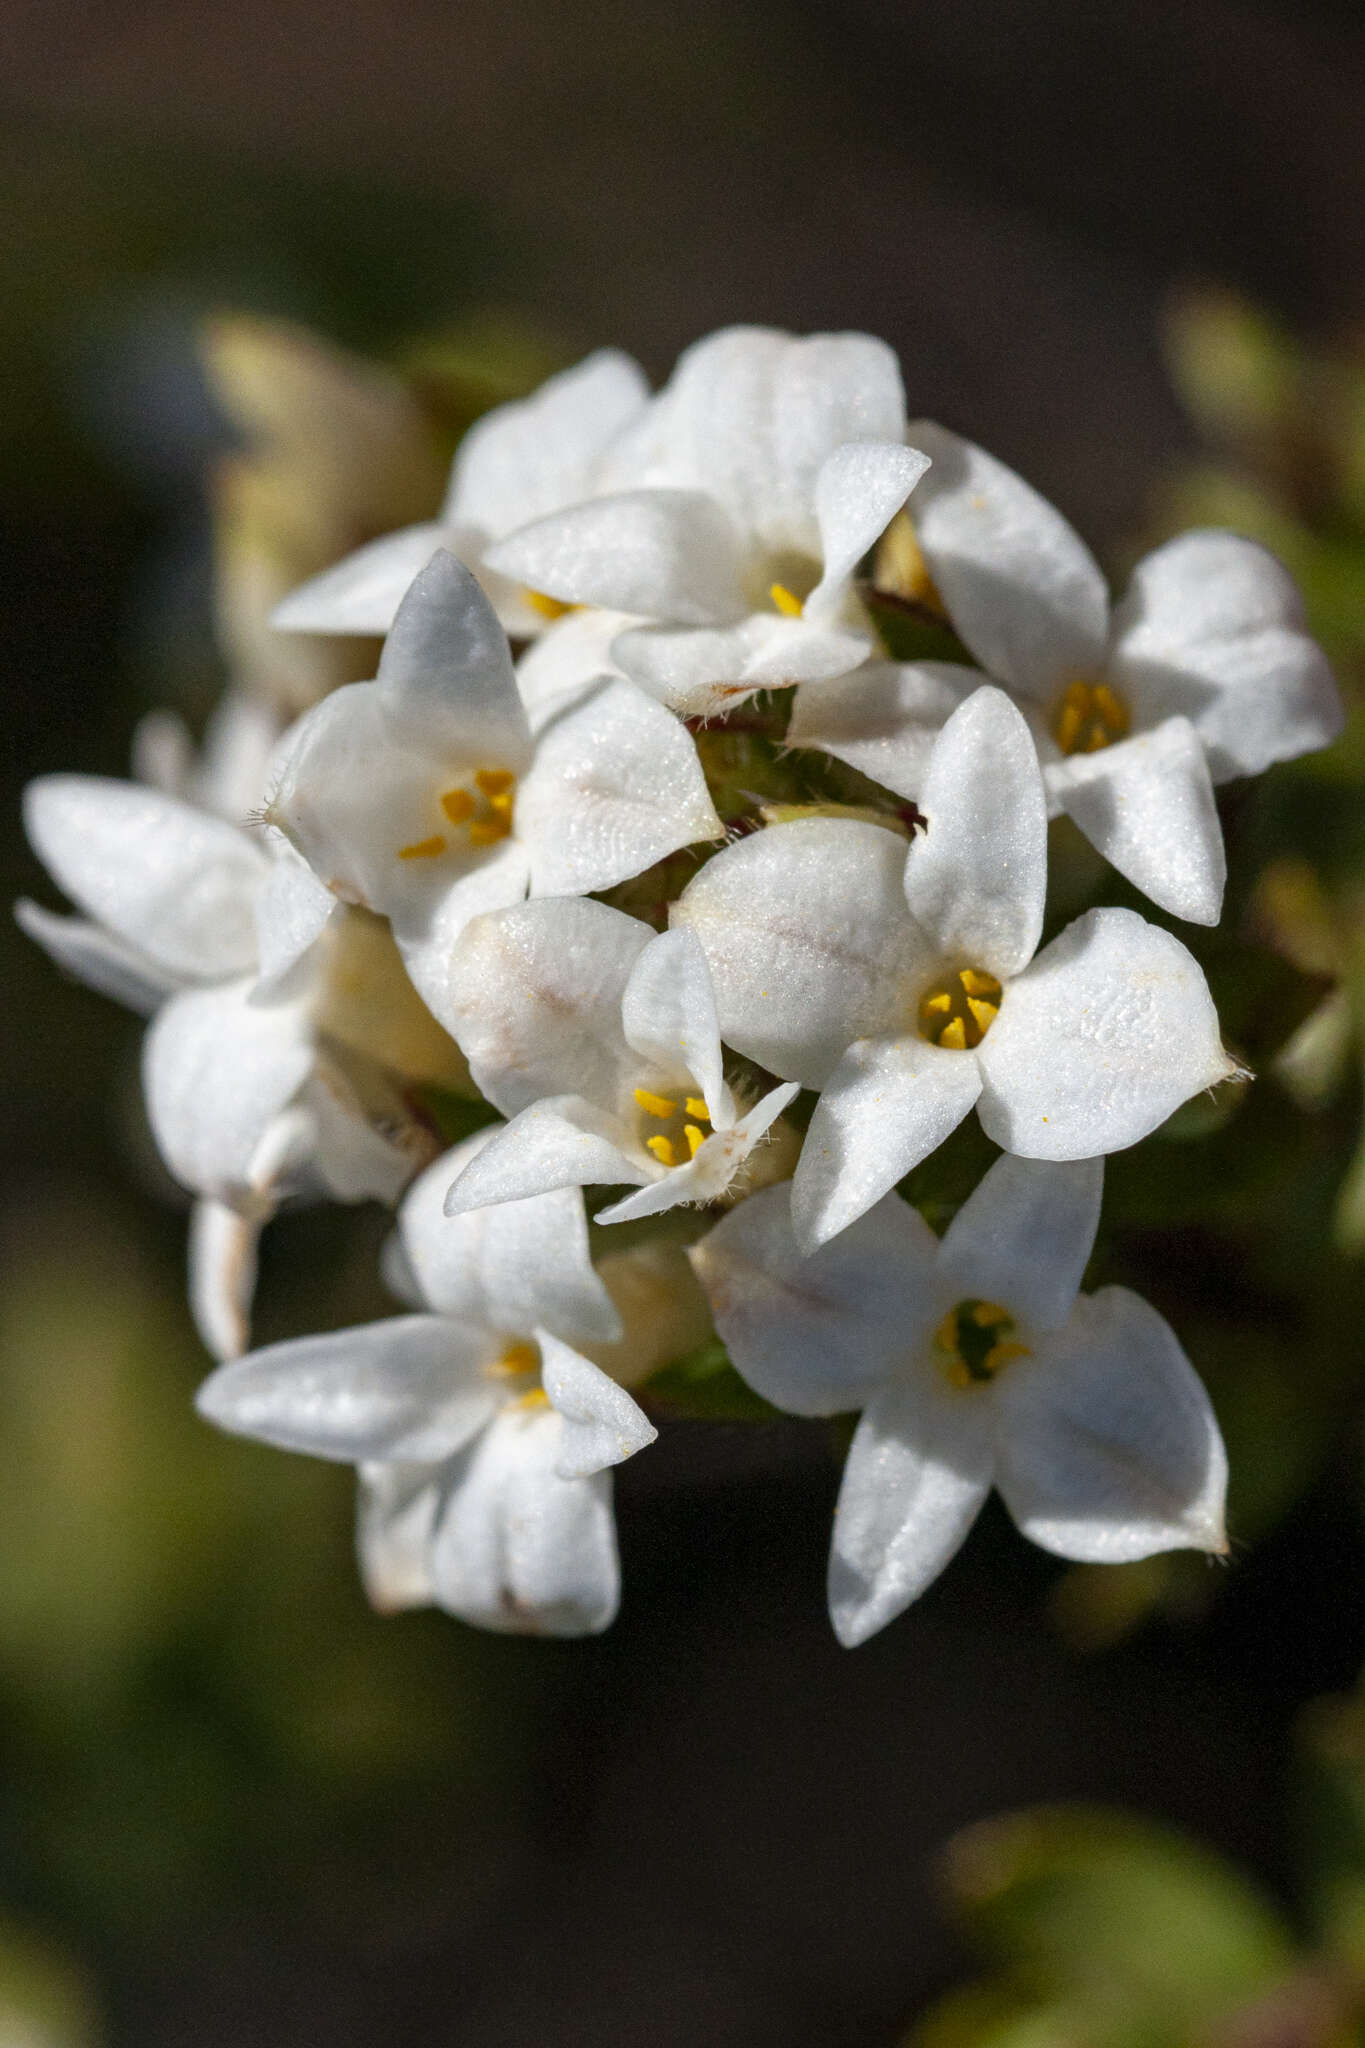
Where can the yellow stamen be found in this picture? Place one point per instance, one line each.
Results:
(423, 849)
(786, 601)
(501, 805)
(695, 1106)
(1001, 1354)
(458, 806)
(549, 607)
(1089, 717)
(534, 1397)
(663, 1151)
(656, 1105)
(494, 781)
(945, 1336)
(517, 1360)
(989, 1313)
(975, 1341)
(488, 831)
(960, 1010)
(695, 1137)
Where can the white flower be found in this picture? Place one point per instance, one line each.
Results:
(904, 984)
(232, 948)
(759, 477)
(517, 463)
(975, 1363)
(427, 796)
(484, 1440)
(1204, 672)
(598, 1038)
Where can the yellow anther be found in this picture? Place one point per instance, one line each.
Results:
(656, 1105)
(501, 804)
(488, 831)
(458, 806)
(494, 781)
(695, 1137)
(960, 1010)
(663, 1150)
(975, 1341)
(901, 571)
(945, 1336)
(786, 601)
(695, 1106)
(1089, 717)
(989, 1313)
(549, 607)
(1001, 1354)
(423, 849)
(517, 1360)
(534, 1397)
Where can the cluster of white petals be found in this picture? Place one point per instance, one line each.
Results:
(523, 866)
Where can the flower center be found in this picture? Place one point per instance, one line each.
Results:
(483, 813)
(1090, 716)
(974, 1341)
(672, 1129)
(550, 608)
(519, 1365)
(958, 1012)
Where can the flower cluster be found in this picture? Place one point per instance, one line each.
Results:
(639, 842)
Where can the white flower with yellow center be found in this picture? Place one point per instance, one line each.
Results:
(903, 983)
(485, 1440)
(753, 485)
(517, 463)
(1204, 672)
(256, 1087)
(431, 794)
(976, 1363)
(598, 1039)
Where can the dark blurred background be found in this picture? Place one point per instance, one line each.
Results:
(235, 1808)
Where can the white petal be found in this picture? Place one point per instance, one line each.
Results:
(413, 1387)
(809, 942)
(498, 881)
(918, 1471)
(509, 1268)
(362, 593)
(537, 1003)
(1107, 1446)
(751, 415)
(660, 554)
(615, 786)
(976, 878)
(888, 1104)
(859, 489)
(536, 454)
(668, 1014)
(817, 1335)
(216, 1069)
(1110, 1029)
(446, 677)
(1023, 1237)
(173, 882)
(395, 1516)
(1022, 589)
(570, 657)
(1147, 805)
(292, 908)
(561, 1142)
(883, 719)
(706, 671)
(602, 1425)
(240, 741)
(712, 1169)
(163, 753)
(97, 957)
(519, 1549)
(222, 1274)
(1212, 627)
(350, 1154)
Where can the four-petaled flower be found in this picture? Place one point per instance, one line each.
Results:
(759, 478)
(976, 1363)
(904, 984)
(598, 1038)
(1203, 673)
(485, 1441)
(430, 794)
